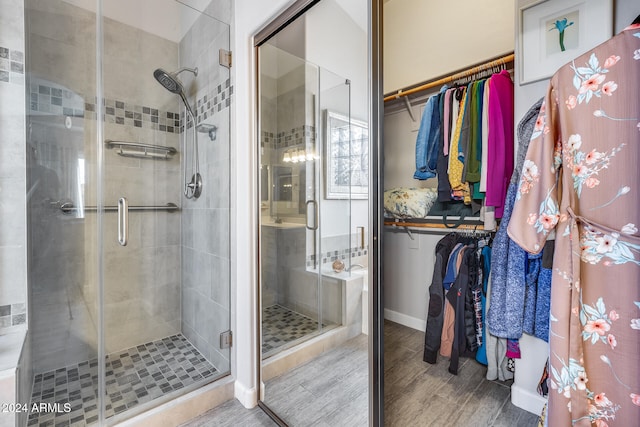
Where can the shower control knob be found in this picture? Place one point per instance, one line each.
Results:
(193, 189)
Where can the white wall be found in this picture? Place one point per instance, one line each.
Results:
(427, 39)
(341, 48)
(335, 41)
(408, 270)
(400, 134)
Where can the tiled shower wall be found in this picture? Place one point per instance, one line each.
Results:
(287, 123)
(13, 239)
(206, 221)
(13, 273)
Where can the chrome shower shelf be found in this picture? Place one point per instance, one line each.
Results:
(138, 149)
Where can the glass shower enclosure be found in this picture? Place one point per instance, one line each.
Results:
(128, 132)
(304, 226)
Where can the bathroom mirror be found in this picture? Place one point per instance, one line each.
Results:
(282, 187)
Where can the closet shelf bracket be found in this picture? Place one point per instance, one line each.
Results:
(409, 233)
(407, 103)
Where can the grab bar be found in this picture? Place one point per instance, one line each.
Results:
(315, 215)
(123, 221)
(138, 149)
(68, 207)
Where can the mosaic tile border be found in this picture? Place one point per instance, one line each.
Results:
(133, 377)
(140, 116)
(57, 100)
(11, 66)
(297, 137)
(13, 315)
(342, 254)
(214, 101)
(45, 98)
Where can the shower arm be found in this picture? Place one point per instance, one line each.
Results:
(193, 70)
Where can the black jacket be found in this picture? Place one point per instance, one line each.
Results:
(435, 316)
(461, 298)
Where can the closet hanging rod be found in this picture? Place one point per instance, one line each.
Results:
(437, 231)
(435, 228)
(504, 60)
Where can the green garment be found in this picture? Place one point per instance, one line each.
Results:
(472, 160)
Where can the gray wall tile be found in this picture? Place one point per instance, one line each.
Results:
(205, 222)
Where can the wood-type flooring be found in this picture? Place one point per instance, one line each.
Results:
(332, 390)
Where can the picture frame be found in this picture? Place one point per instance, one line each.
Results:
(553, 32)
(346, 157)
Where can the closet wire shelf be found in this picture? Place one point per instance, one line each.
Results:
(140, 150)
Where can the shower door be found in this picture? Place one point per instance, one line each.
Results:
(305, 238)
(297, 244)
(129, 278)
(165, 243)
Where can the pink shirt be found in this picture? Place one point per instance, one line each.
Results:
(500, 144)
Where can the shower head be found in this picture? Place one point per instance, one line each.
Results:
(171, 83)
(168, 80)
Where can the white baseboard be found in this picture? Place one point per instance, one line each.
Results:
(403, 319)
(528, 400)
(248, 397)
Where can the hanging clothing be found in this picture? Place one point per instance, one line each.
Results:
(509, 261)
(451, 320)
(460, 298)
(543, 293)
(455, 165)
(485, 138)
(445, 123)
(481, 355)
(580, 179)
(448, 329)
(500, 158)
(497, 362)
(448, 326)
(435, 314)
(444, 188)
(429, 136)
(473, 155)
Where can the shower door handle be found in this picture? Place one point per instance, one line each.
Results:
(123, 221)
(315, 215)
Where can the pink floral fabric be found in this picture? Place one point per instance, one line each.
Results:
(581, 182)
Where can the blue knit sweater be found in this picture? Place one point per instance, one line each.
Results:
(514, 273)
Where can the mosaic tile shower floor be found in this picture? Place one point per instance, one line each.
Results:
(281, 326)
(133, 377)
